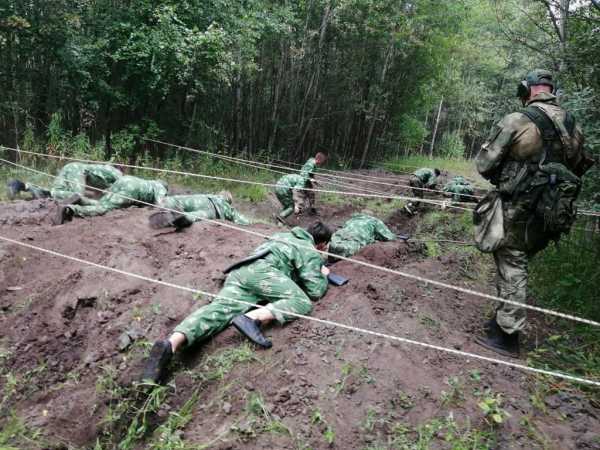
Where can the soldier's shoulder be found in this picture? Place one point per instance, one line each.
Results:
(515, 120)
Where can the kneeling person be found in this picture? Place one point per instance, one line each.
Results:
(126, 191)
(286, 273)
(196, 207)
(358, 232)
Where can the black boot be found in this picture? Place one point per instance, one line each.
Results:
(251, 329)
(14, 187)
(63, 214)
(499, 341)
(156, 365)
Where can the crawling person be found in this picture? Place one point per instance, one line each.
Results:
(286, 273)
(196, 207)
(71, 180)
(309, 168)
(460, 190)
(358, 232)
(126, 191)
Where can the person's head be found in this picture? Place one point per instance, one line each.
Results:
(226, 196)
(437, 172)
(164, 184)
(321, 234)
(536, 81)
(320, 158)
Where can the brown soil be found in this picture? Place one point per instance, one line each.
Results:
(61, 325)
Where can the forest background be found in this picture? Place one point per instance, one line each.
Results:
(369, 82)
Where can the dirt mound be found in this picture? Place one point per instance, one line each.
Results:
(74, 337)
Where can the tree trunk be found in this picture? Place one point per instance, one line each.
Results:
(437, 122)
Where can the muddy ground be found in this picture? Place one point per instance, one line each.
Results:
(73, 340)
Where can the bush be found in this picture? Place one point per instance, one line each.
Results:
(452, 145)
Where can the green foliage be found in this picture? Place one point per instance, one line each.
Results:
(491, 406)
(452, 146)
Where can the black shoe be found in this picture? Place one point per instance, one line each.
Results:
(63, 214)
(156, 365)
(500, 342)
(161, 219)
(74, 199)
(251, 329)
(14, 187)
(180, 221)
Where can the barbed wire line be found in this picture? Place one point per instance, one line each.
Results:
(411, 276)
(441, 203)
(326, 322)
(240, 160)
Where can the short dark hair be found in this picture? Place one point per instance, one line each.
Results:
(321, 158)
(320, 232)
(437, 172)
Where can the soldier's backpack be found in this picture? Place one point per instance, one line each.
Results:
(554, 187)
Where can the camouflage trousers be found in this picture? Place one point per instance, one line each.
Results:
(344, 247)
(416, 183)
(289, 198)
(106, 203)
(511, 283)
(255, 283)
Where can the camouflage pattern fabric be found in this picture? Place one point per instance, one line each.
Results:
(512, 149)
(123, 193)
(73, 178)
(422, 178)
(308, 169)
(201, 206)
(289, 195)
(460, 188)
(287, 279)
(358, 232)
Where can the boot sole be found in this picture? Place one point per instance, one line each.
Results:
(500, 351)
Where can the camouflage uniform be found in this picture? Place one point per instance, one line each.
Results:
(359, 231)
(287, 278)
(289, 194)
(422, 178)
(73, 178)
(123, 193)
(308, 169)
(203, 206)
(460, 189)
(515, 144)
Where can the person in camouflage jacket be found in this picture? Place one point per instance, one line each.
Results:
(291, 193)
(285, 272)
(460, 189)
(125, 192)
(196, 207)
(358, 232)
(423, 178)
(72, 179)
(515, 159)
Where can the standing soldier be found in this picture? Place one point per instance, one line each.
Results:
(72, 179)
(286, 273)
(194, 208)
(358, 232)
(126, 191)
(535, 160)
(293, 196)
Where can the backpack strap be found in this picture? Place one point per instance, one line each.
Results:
(552, 129)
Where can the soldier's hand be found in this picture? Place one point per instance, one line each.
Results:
(296, 209)
(325, 270)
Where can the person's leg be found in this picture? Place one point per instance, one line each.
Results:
(66, 185)
(343, 247)
(511, 283)
(284, 195)
(110, 201)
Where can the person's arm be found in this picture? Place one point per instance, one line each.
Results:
(495, 149)
(431, 182)
(382, 232)
(308, 168)
(236, 217)
(312, 279)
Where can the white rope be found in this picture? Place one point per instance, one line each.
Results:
(443, 204)
(351, 260)
(310, 318)
(240, 160)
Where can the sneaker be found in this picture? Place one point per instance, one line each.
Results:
(156, 365)
(251, 329)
